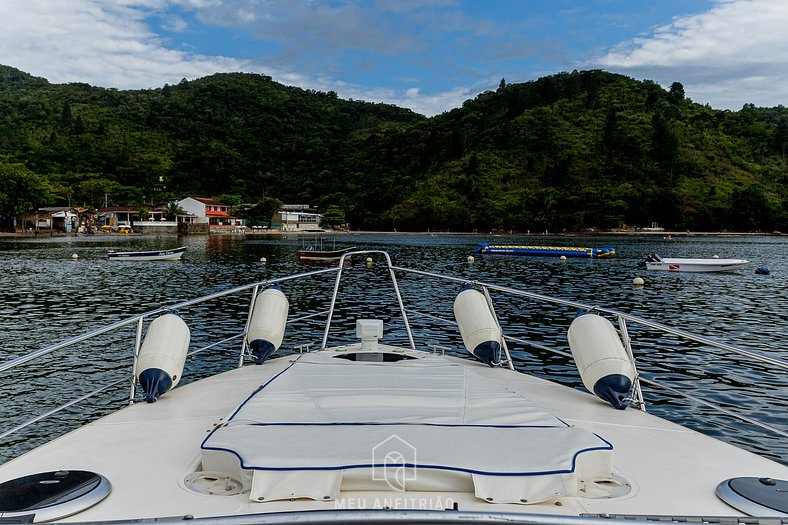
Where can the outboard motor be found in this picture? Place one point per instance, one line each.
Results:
(601, 359)
(267, 325)
(478, 327)
(653, 257)
(162, 356)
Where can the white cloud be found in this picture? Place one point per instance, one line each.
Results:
(733, 54)
(432, 104)
(102, 43)
(174, 24)
(428, 105)
(110, 43)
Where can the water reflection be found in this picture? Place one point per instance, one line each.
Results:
(46, 296)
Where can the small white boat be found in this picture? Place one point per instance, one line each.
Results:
(363, 430)
(309, 254)
(672, 264)
(152, 255)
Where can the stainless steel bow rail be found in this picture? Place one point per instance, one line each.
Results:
(138, 321)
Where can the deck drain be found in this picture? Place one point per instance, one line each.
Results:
(613, 487)
(213, 483)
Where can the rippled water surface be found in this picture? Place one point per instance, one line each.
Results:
(47, 296)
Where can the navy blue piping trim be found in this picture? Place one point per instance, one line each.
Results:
(262, 387)
(450, 425)
(608, 446)
(202, 445)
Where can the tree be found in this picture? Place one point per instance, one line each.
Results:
(265, 209)
(229, 199)
(333, 216)
(172, 211)
(676, 92)
(21, 191)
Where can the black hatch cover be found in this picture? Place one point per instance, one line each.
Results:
(756, 496)
(52, 495)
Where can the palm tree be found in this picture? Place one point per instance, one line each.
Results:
(173, 210)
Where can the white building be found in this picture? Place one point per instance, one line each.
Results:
(296, 217)
(216, 213)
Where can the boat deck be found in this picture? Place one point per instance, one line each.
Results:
(141, 447)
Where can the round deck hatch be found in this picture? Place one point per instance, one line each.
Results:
(762, 497)
(52, 495)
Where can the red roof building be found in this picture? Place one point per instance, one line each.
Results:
(217, 213)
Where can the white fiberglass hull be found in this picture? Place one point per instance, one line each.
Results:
(697, 265)
(148, 450)
(369, 426)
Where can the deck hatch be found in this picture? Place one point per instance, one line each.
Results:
(52, 495)
(756, 496)
(416, 425)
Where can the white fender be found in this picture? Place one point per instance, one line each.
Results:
(478, 327)
(162, 355)
(268, 322)
(601, 359)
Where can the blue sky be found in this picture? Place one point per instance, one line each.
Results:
(428, 55)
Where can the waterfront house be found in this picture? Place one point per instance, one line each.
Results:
(115, 217)
(217, 213)
(57, 218)
(296, 217)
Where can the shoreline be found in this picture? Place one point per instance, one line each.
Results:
(266, 233)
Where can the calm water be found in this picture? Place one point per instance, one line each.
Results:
(46, 296)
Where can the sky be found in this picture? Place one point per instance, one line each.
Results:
(426, 55)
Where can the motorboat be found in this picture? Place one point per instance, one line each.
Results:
(311, 254)
(672, 264)
(545, 251)
(344, 413)
(151, 255)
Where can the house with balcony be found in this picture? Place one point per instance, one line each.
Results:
(217, 213)
(296, 217)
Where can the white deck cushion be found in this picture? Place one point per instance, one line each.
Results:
(324, 419)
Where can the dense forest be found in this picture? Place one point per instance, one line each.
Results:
(572, 151)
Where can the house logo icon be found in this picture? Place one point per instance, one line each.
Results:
(394, 461)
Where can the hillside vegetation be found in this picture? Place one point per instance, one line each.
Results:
(571, 151)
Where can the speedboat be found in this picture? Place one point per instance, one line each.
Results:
(360, 414)
(715, 264)
(151, 255)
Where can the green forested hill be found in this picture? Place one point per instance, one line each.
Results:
(570, 151)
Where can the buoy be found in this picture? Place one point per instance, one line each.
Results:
(478, 327)
(267, 325)
(715, 256)
(471, 259)
(74, 256)
(263, 260)
(563, 257)
(600, 357)
(638, 281)
(162, 356)
(369, 260)
(762, 271)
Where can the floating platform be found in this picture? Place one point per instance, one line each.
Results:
(545, 251)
